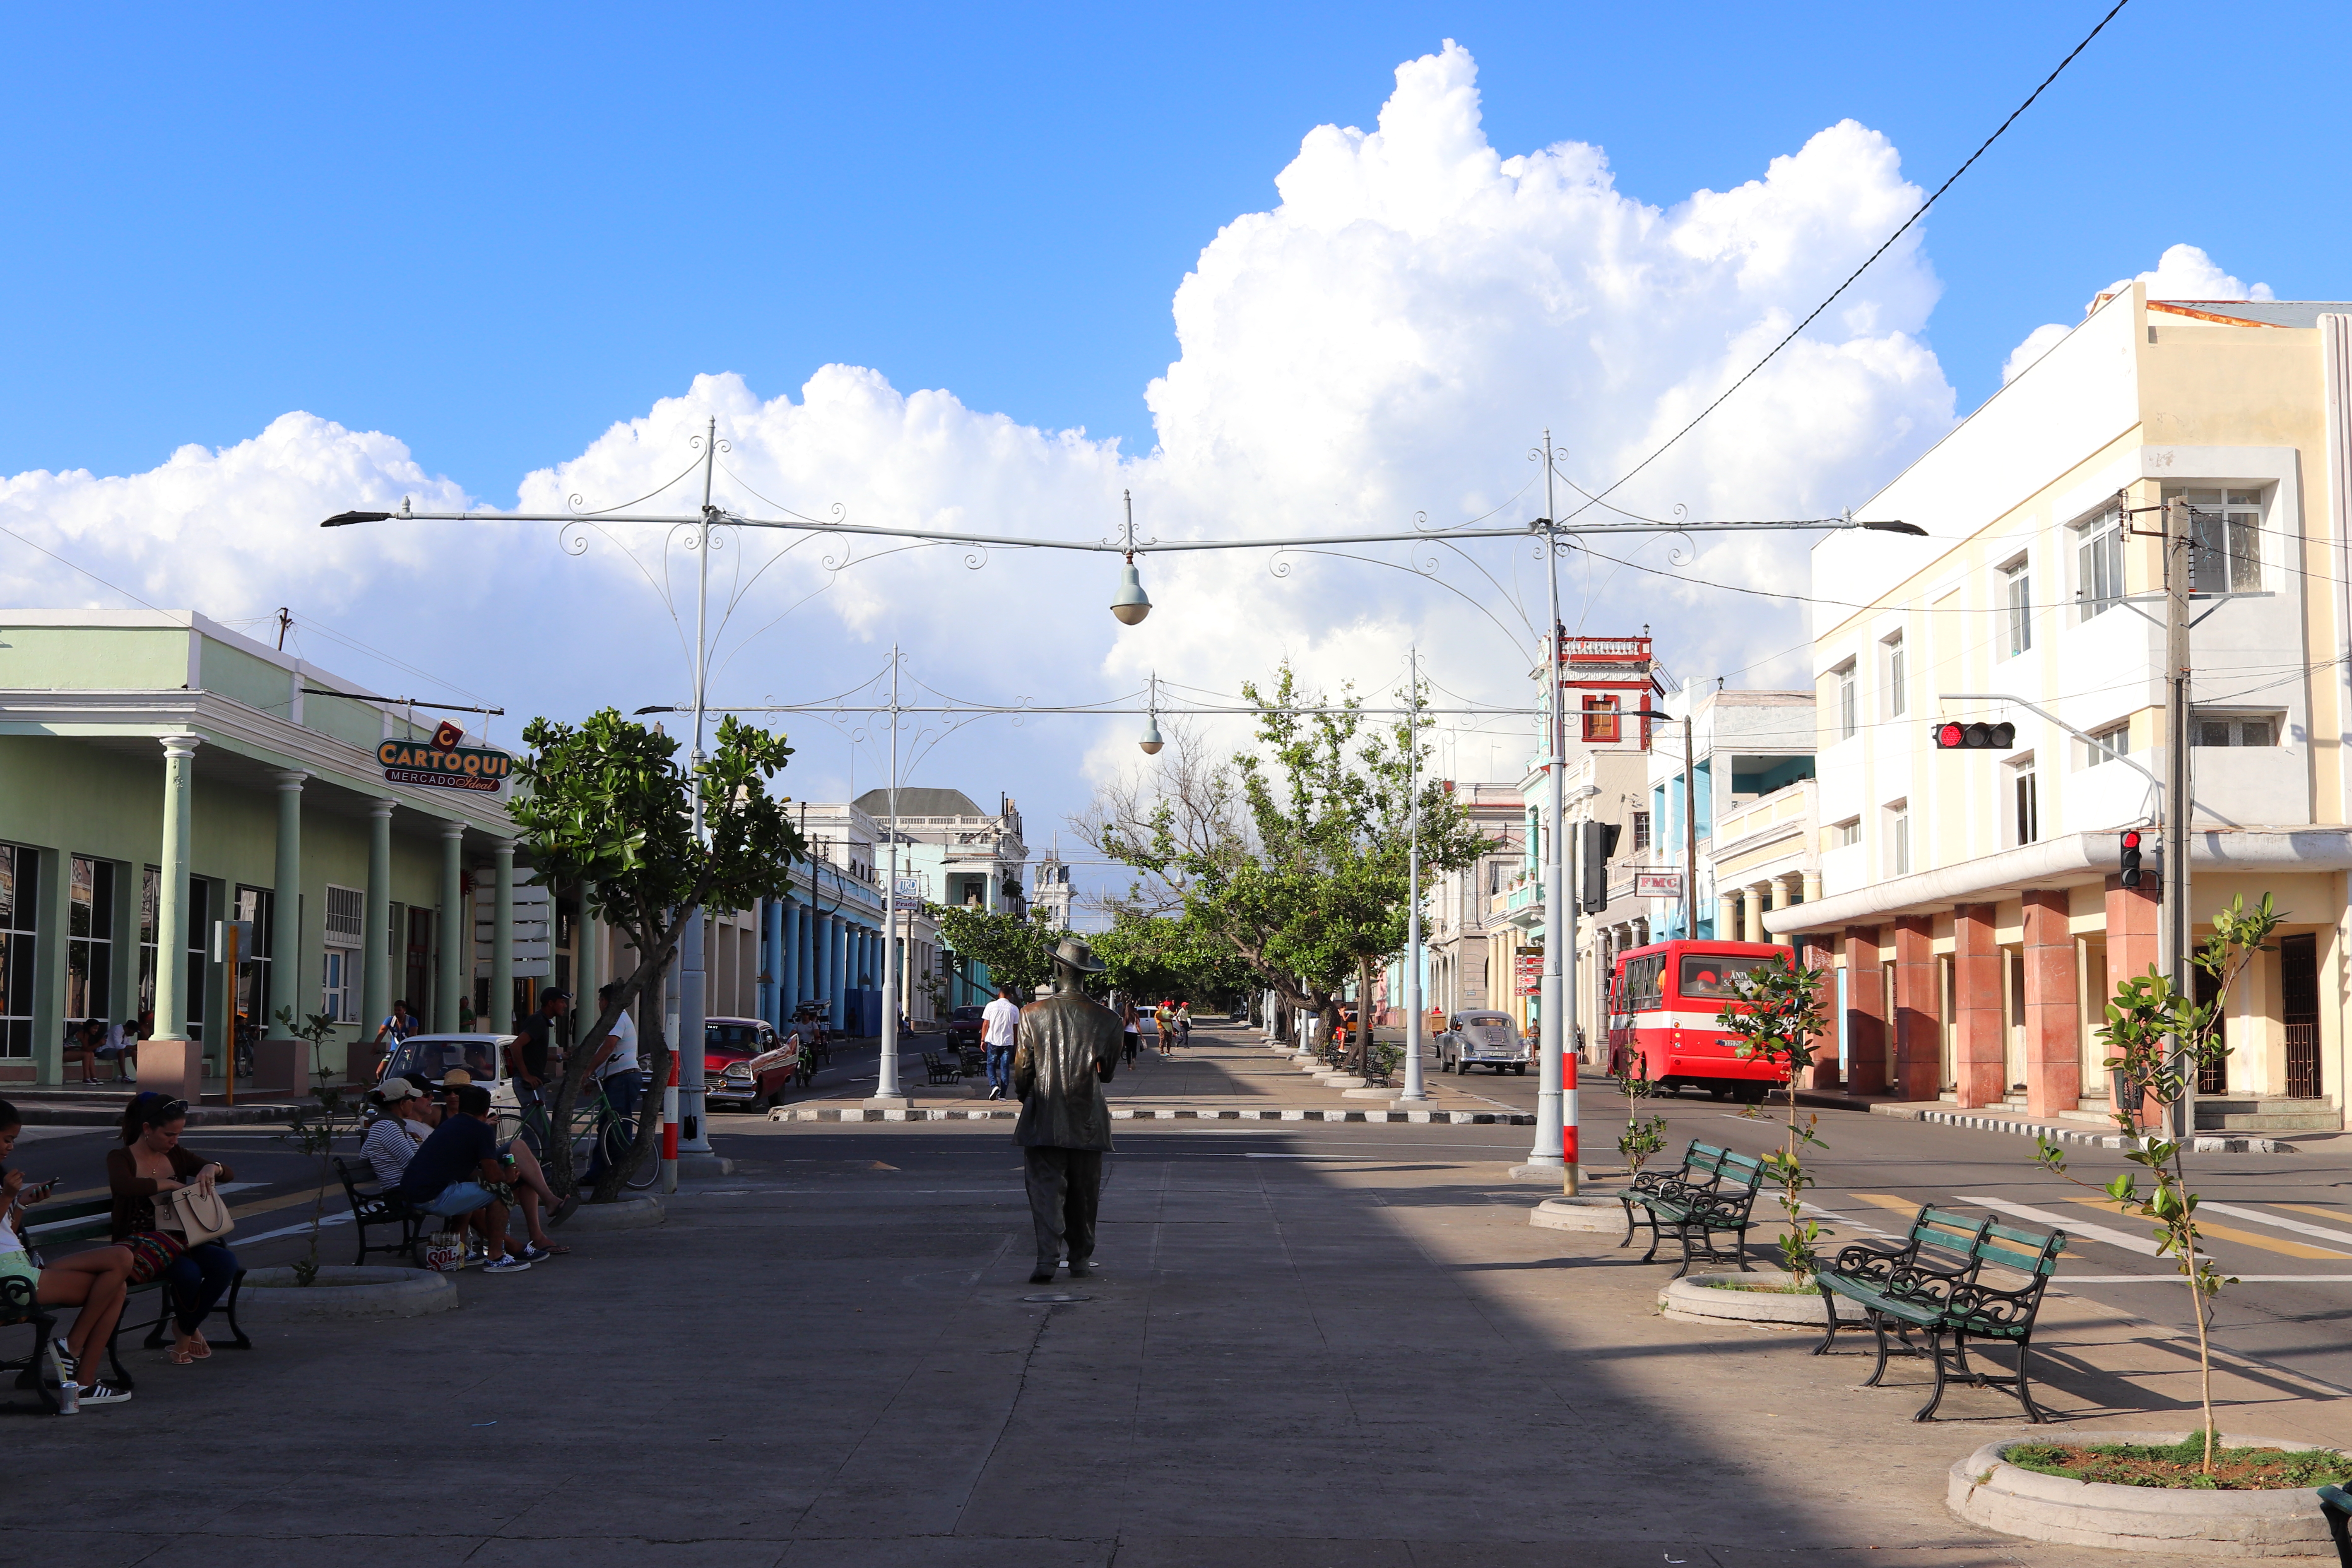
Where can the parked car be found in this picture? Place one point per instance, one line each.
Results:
(963, 1028)
(480, 1056)
(1482, 1040)
(746, 1064)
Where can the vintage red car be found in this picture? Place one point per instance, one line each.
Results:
(745, 1064)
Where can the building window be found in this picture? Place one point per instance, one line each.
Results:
(2017, 601)
(2211, 729)
(2025, 798)
(346, 930)
(89, 940)
(1846, 832)
(2225, 531)
(1601, 722)
(1641, 831)
(20, 896)
(2099, 562)
(2106, 744)
(1898, 839)
(256, 998)
(1890, 674)
(150, 883)
(1847, 717)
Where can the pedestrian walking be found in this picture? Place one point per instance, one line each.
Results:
(1184, 1023)
(1130, 1033)
(1000, 1032)
(616, 1070)
(1068, 1049)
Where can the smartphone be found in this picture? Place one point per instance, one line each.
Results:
(35, 1194)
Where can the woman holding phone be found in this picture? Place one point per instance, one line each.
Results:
(95, 1282)
(151, 1161)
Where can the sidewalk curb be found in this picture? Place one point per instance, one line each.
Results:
(1133, 1113)
(2202, 1145)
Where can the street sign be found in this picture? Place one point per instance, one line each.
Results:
(1657, 884)
(1529, 969)
(534, 949)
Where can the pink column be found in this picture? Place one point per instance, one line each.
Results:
(1918, 1061)
(1818, 957)
(2053, 1058)
(1865, 1012)
(1978, 1052)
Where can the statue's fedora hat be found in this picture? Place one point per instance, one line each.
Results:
(1079, 956)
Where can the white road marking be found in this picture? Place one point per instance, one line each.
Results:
(2082, 1229)
(2175, 1279)
(2259, 1218)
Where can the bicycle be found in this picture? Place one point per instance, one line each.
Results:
(592, 1120)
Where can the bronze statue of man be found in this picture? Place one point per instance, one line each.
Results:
(1068, 1049)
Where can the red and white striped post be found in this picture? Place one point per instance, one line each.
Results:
(669, 1129)
(1570, 1175)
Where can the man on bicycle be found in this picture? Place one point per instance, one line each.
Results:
(614, 1069)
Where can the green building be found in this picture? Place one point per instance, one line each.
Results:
(160, 775)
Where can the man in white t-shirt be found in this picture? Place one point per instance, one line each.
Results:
(1000, 1031)
(616, 1069)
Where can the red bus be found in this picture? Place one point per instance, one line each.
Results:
(1666, 1003)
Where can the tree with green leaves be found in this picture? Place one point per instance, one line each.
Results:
(1160, 956)
(1291, 857)
(2161, 1039)
(1017, 949)
(1778, 1020)
(607, 805)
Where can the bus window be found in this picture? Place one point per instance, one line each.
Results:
(1643, 987)
(1715, 976)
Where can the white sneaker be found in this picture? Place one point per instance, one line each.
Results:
(507, 1265)
(102, 1393)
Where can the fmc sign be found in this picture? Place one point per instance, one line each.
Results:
(444, 764)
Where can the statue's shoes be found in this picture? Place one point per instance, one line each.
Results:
(1042, 1277)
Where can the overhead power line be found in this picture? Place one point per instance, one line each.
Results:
(1865, 267)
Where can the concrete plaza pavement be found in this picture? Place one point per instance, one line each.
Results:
(1317, 1344)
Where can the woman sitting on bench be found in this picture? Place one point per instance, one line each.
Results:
(96, 1281)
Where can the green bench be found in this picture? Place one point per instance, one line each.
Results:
(1935, 1282)
(1712, 1193)
(53, 1228)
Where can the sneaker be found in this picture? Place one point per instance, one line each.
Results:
(536, 1254)
(507, 1265)
(102, 1393)
(62, 1364)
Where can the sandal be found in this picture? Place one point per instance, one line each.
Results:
(181, 1358)
(200, 1350)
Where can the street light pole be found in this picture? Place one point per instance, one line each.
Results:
(885, 1087)
(1560, 961)
(1414, 1093)
(693, 1004)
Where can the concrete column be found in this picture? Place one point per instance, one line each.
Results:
(500, 1017)
(1727, 918)
(1812, 887)
(789, 984)
(764, 966)
(1918, 1055)
(375, 926)
(1782, 899)
(1751, 917)
(455, 932)
(2132, 916)
(2053, 1058)
(168, 1060)
(1865, 1012)
(285, 903)
(1979, 1049)
(820, 985)
(1820, 957)
(837, 960)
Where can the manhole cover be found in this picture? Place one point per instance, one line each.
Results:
(1058, 1297)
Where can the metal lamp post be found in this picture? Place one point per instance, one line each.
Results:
(1415, 1093)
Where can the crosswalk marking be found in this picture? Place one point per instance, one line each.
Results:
(2231, 1233)
(2077, 1229)
(1889, 1200)
(2337, 1215)
(2295, 1225)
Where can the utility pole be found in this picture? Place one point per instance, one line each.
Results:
(2179, 803)
(1414, 1093)
(1690, 822)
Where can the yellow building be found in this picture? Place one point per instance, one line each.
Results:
(1970, 901)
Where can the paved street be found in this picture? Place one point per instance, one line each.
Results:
(1310, 1344)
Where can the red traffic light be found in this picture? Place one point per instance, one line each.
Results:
(2128, 864)
(2131, 839)
(1955, 737)
(1948, 736)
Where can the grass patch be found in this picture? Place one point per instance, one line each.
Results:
(2181, 1465)
(1760, 1290)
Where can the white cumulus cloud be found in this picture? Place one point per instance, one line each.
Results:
(1386, 342)
(2184, 272)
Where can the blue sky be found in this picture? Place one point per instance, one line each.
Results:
(265, 265)
(493, 231)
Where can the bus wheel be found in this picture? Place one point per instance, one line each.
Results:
(1750, 1094)
(1719, 1091)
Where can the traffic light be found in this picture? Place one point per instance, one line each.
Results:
(1595, 843)
(1953, 735)
(2131, 857)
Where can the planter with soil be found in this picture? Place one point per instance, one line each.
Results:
(2143, 1491)
(1597, 1212)
(631, 1213)
(340, 1294)
(1766, 1298)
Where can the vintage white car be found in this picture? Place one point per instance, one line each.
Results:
(1483, 1039)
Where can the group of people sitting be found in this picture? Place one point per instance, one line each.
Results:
(439, 1150)
(149, 1161)
(91, 1043)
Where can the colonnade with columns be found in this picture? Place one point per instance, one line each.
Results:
(810, 953)
(1740, 908)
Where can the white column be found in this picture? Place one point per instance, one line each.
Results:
(168, 1060)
